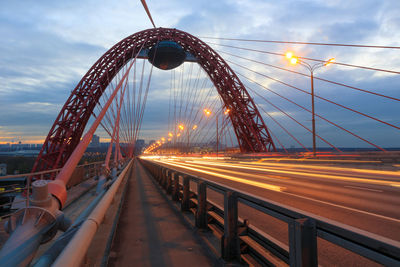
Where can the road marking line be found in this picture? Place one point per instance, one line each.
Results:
(344, 207)
(363, 188)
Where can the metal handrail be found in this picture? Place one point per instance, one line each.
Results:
(377, 248)
(45, 172)
(75, 251)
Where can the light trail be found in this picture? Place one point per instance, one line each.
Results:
(380, 172)
(228, 177)
(267, 186)
(313, 175)
(363, 188)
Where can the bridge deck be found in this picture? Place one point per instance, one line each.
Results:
(150, 232)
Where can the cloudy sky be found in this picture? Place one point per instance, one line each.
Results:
(47, 46)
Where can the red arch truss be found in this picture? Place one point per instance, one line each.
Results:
(65, 134)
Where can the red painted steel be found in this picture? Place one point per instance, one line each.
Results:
(65, 134)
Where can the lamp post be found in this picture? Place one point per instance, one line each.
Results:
(295, 60)
(188, 137)
(207, 112)
(181, 128)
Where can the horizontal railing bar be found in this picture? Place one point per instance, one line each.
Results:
(363, 238)
(358, 248)
(266, 210)
(272, 243)
(23, 175)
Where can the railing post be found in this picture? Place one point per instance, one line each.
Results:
(185, 205)
(303, 243)
(201, 213)
(159, 175)
(230, 239)
(165, 177)
(175, 192)
(169, 182)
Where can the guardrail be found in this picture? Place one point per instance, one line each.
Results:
(88, 169)
(11, 185)
(73, 254)
(239, 240)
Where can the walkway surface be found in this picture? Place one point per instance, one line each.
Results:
(150, 232)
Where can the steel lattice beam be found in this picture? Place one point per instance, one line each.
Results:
(65, 134)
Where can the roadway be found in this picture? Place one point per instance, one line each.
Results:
(364, 198)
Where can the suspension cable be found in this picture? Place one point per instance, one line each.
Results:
(317, 96)
(305, 43)
(306, 58)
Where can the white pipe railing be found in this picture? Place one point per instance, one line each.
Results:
(75, 251)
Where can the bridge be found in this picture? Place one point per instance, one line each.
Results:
(219, 186)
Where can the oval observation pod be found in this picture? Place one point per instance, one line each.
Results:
(167, 55)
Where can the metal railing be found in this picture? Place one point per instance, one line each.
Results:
(236, 234)
(19, 182)
(73, 254)
(90, 170)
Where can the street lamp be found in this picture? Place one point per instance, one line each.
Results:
(295, 60)
(194, 127)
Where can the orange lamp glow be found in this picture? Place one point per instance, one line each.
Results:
(207, 112)
(194, 127)
(178, 134)
(170, 135)
(289, 55)
(294, 60)
(181, 127)
(227, 111)
(330, 61)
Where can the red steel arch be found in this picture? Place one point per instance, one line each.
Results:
(65, 134)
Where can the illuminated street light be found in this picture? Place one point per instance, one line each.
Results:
(226, 112)
(289, 55)
(207, 112)
(181, 127)
(170, 135)
(295, 60)
(194, 127)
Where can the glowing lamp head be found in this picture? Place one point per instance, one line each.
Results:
(330, 61)
(227, 111)
(178, 135)
(207, 112)
(294, 60)
(163, 139)
(289, 55)
(194, 127)
(170, 135)
(181, 127)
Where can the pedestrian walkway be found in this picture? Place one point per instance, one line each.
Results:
(150, 232)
